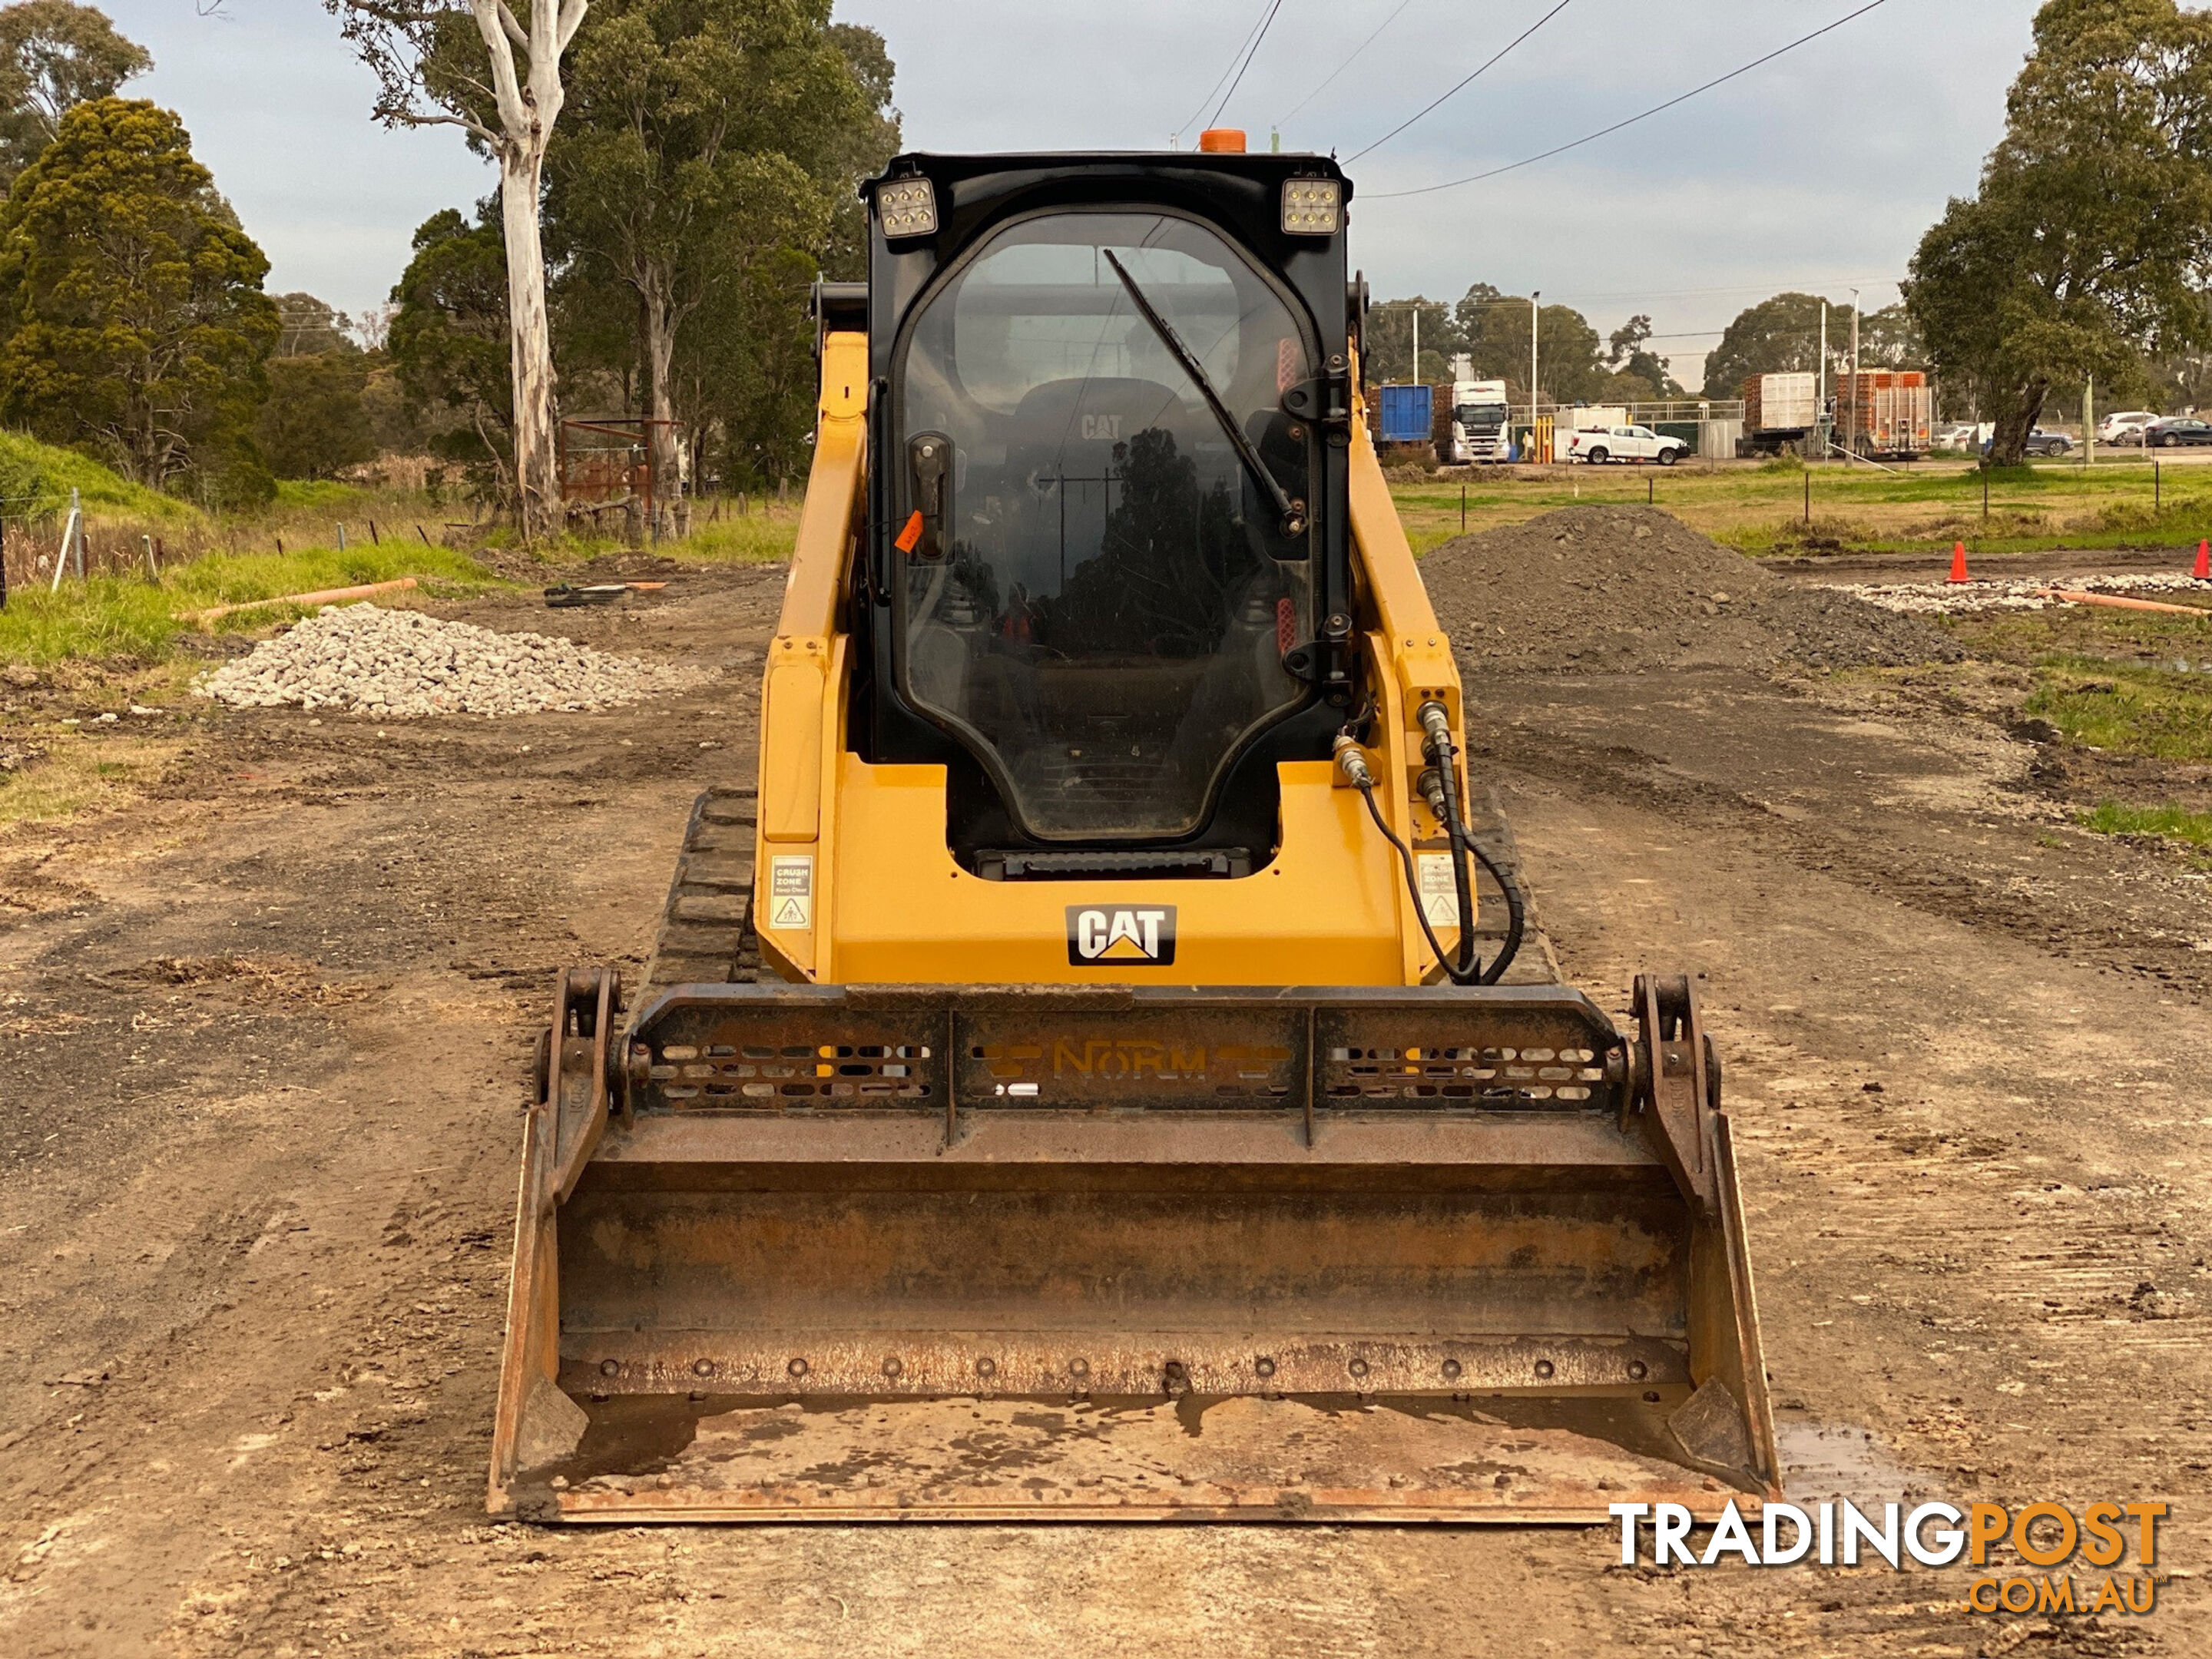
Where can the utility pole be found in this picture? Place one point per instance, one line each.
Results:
(1414, 378)
(1852, 428)
(1820, 390)
(1534, 307)
(2089, 422)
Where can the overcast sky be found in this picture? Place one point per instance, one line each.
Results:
(1818, 171)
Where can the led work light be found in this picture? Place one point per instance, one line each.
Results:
(1311, 207)
(908, 207)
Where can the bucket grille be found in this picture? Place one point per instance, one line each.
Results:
(780, 1076)
(777, 1048)
(1533, 1076)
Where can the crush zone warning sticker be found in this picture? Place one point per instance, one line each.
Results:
(1439, 897)
(791, 890)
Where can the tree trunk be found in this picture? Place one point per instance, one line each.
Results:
(536, 459)
(2013, 419)
(661, 394)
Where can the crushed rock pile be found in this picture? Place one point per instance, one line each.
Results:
(1624, 589)
(1978, 596)
(400, 664)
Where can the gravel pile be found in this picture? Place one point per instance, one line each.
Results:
(1624, 589)
(1976, 597)
(398, 663)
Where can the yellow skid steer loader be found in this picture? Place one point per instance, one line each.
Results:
(1106, 1068)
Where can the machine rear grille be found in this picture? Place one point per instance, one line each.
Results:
(1003, 863)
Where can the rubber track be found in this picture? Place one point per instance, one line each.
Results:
(706, 934)
(1535, 964)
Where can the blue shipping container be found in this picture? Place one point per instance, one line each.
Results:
(1406, 415)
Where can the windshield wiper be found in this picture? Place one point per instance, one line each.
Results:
(1292, 513)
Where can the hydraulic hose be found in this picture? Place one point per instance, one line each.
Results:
(1432, 789)
(1443, 762)
(1354, 766)
(1516, 916)
(1467, 969)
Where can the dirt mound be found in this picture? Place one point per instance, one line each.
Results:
(1623, 589)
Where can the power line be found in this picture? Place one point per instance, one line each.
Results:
(1678, 293)
(1265, 24)
(1450, 306)
(1233, 59)
(1869, 283)
(1591, 137)
(1520, 302)
(1501, 53)
(1345, 65)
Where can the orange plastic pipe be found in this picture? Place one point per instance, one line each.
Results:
(2076, 597)
(327, 596)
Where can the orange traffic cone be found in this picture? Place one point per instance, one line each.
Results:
(1958, 562)
(2203, 571)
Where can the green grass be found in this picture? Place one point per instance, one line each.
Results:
(2124, 708)
(762, 536)
(2144, 638)
(323, 493)
(129, 617)
(125, 617)
(2169, 823)
(1761, 510)
(38, 477)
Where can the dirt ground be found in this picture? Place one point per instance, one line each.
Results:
(264, 1040)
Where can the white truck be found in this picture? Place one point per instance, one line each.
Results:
(1624, 443)
(1479, 430)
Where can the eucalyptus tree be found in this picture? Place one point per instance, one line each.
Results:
(494, 69)
(55, 54)
(702, 139)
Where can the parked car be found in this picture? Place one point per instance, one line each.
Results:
(1625, 443)
(1959, 434)
(2039, 442)
(2176, 430)
(2124, 426)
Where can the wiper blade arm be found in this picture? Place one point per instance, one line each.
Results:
(1291, 514)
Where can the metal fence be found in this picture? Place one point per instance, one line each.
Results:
(1670, 412)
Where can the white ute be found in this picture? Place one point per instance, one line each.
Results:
(1625, 443)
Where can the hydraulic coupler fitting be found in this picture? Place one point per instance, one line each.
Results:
(1430, 785)
(1437, 724)
(1352, 761)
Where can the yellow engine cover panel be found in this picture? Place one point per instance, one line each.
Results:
(900, 911)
